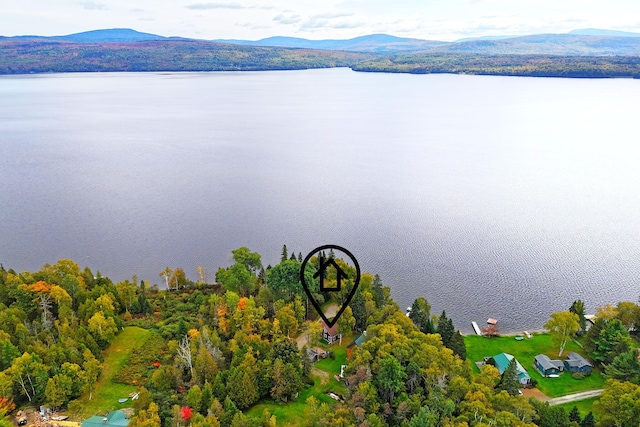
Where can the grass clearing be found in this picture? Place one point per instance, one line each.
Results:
(479, 347)
(107, 392)
(584, 406)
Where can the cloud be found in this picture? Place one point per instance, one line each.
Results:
(91, 5)
(206, 6)
(283, 19)
(252, 26)
(329, 20)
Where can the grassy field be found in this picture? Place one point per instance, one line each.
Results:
(106, 394)
(479, 347)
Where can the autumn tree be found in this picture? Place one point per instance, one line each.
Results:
(166, 275)
(146, 417)
(619, 404)
(561, 326)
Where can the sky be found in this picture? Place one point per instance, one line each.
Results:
(445, 20)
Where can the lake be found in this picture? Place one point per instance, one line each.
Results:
(498, 197)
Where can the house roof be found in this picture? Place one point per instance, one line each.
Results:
(113, 419)
(360, 340)
(574, 359)
(502, 361)
(546, 363)
(333, 331)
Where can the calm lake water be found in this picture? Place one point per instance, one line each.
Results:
(490, 196)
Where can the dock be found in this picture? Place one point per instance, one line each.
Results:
(476, 328)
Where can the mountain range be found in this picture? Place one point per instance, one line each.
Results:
(584, 42)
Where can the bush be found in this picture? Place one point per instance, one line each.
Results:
(580, 375)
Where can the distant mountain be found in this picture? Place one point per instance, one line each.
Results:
(374, 43)
(472, 39)
(114, 35)
(549, 44)
(597, 32)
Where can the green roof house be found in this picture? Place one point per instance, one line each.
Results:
(113, 419)
(501, 362)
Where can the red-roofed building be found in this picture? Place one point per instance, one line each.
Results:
(330, 334)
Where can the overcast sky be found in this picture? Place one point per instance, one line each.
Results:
(337, 19)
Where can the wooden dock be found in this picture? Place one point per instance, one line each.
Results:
(476, 328)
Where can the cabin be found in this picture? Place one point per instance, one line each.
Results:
(330, 334)
(502, 360)
(547, 366)
(576, 363)
(113, 419)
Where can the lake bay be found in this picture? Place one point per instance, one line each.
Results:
(491, 196)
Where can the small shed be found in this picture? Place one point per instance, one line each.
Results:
(113, 419)
(547, 366)
(330, 334)
(576, 363)
(317, 353)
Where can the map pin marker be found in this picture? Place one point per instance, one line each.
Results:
(323, 264)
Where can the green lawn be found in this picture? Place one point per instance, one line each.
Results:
(106, 394)
(479, 347)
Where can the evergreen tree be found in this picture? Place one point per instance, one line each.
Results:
(207, 398)
(300, 259)
(445, 329)
(377, 291)
(230, 410)
(458, 346)
(625, 367)
(574, 415)
(588, 421)
(421, 315)
(613, 340)
(509, 381)
(293, 256)
(285, 254)
(578, 308)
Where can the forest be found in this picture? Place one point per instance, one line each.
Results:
(24, 55)
(235, 352)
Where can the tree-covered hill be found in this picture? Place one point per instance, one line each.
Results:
(19, 56)
(506, 65)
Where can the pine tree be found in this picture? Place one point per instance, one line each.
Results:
(458, 346)
(285, 255)
(578, 308)
(299, 256)
(377, 291)
(588, 421)
(509, 381)
(574, 415)
(445, 329)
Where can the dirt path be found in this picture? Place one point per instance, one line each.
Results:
(302, 338)
(574, 397)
